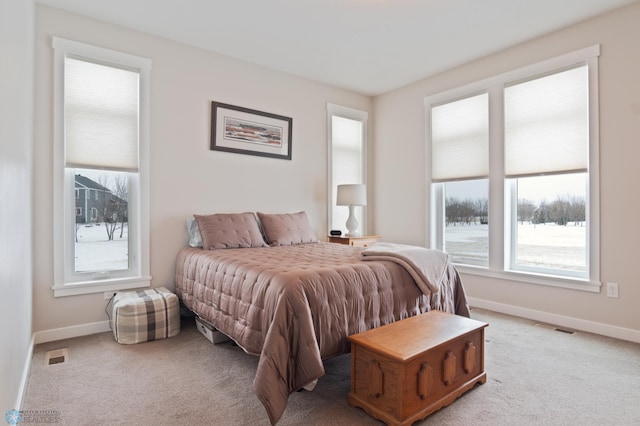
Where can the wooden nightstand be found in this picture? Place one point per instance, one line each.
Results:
(364, 241)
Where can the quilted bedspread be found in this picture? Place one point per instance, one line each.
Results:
(295, 305)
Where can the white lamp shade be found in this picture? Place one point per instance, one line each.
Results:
(352, 194)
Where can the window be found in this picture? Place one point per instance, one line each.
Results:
(460, 163)
(546, 164)
(101, 145)
(347, 131)
(514, 173)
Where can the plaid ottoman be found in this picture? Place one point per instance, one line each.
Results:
(140, 316)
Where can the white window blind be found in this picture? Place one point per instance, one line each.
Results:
(460, 139)
(101, 116)
(547, 124)
(347, 150)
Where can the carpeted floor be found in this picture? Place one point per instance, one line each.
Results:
(535, 376)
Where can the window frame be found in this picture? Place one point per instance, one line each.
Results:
(351, 114)
(66, 282)
(502, 215)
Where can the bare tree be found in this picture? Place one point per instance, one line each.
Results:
(578, 210)
(481, 210)
(113, 204)
(561, 211)
(526, 210)
(467, 211)
(121, 192)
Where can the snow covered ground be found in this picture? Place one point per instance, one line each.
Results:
(94, 252)
(547, 245)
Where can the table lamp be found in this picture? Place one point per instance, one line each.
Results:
(352, 195)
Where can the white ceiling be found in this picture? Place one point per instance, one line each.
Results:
(368, 46)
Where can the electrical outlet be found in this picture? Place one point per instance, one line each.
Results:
(109, 294)
(612, 290)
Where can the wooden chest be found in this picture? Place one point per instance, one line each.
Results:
(404, 371)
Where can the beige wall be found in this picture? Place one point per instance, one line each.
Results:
(186, 177)
(399, 208)
(16, 150)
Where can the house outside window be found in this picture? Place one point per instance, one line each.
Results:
(347, 134)
(100, 169)
(514, 173)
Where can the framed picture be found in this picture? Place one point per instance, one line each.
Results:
(247, 131)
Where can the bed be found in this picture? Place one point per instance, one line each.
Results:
(265, 281)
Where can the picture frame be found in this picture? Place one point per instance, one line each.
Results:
(248, 131)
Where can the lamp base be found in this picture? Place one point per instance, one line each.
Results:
(352, 223)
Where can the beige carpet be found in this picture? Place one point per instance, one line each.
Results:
(536, 376)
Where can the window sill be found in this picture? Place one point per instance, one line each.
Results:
(89, 287)
(529, 278)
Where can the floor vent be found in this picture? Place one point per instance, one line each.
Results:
(57, 356)
(554, 327)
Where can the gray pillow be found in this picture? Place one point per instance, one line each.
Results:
(229, 230)
(287, 229)
(195, 239)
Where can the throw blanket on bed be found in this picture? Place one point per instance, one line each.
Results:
(427, 267)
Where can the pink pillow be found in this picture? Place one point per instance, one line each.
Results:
(229, 230)
(287, 229)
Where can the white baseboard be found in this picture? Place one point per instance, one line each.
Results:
(560, 320)
(69, 332)
(26, 371)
